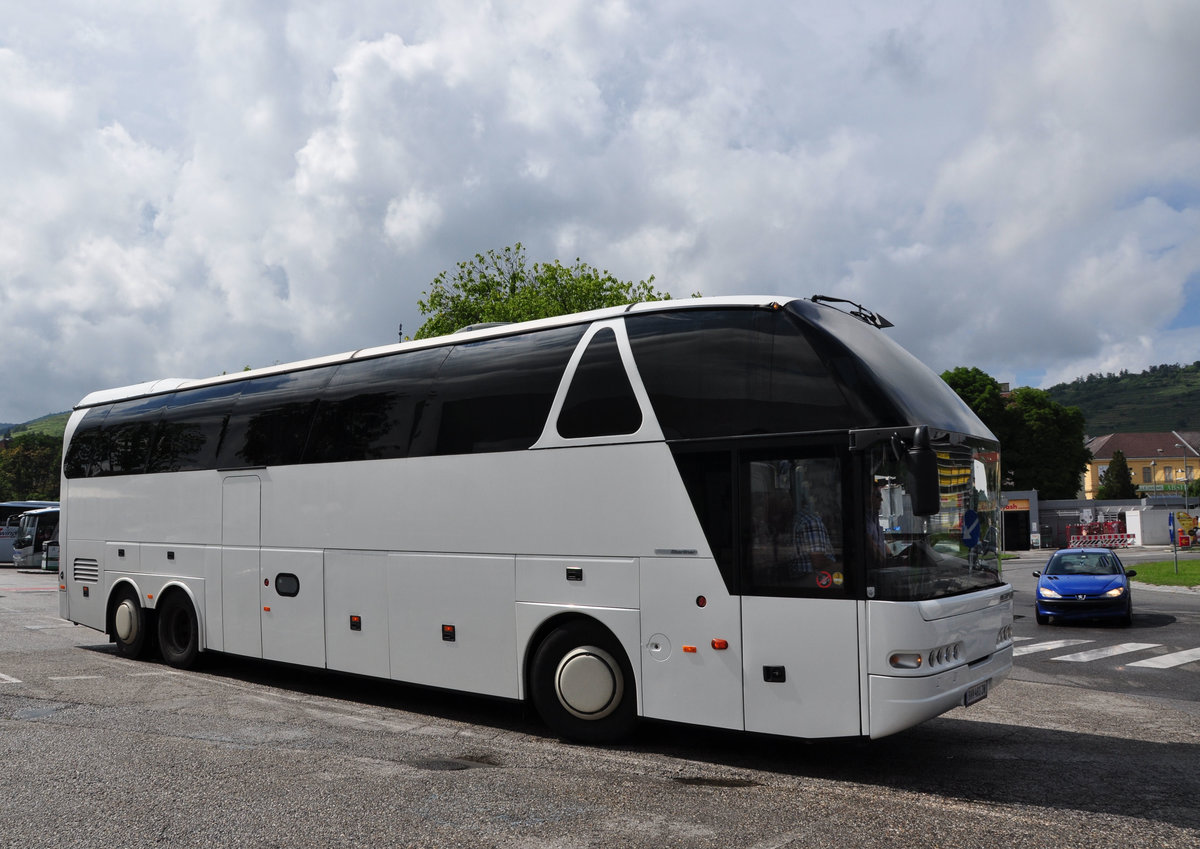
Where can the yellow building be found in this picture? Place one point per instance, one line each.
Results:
(1160, 463)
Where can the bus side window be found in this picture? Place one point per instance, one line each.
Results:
(794, 527)
(600, 401)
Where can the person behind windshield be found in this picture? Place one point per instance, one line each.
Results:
(814, 550)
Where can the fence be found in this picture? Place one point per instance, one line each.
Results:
(1102, 541)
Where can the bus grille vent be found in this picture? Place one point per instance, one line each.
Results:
(87, 571)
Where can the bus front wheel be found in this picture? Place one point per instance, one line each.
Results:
(178, 631)
(130, 625)
(582, 684)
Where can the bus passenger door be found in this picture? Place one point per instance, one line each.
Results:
(240, 605)
(800, 622)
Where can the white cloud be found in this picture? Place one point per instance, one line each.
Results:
(187, 192)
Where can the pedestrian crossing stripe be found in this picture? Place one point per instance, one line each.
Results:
(1107, 651)
(1162, 661)
(1166, 661)
(1050, 646)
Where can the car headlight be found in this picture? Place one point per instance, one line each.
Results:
(1046, 592)
(1115, 592)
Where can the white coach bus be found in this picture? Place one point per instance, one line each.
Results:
(664, 510)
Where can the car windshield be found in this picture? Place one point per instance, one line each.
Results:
(1083, 563)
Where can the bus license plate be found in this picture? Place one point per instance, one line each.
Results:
(976, 694)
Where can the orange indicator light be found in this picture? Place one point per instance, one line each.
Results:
(690, 649)
(266, 610)
(720, 645)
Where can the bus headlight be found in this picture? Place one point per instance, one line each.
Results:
(906, 660)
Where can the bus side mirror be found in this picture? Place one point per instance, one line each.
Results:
(923, 485)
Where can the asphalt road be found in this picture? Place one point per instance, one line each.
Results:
(101, 751)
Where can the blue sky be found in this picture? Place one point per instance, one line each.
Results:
(188, 189)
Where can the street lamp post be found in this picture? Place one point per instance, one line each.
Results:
(1183, 456)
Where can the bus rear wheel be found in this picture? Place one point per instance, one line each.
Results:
(178, 631)
(582, 684)
(130, 627)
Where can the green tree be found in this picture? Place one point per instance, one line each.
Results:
(504, 287)
(982, 393)
(1041, 441)
(1117, 482)
(29, 468)
(1048, 451)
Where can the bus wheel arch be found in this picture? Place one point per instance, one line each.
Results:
(581, 681)
(130, 624)
(178, 628)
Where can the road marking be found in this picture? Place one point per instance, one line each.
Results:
(8, 679)
(1166, 661)
(152, 674)
(1050, 646)
(1107, 651)
(73, 677)
(1021, 639)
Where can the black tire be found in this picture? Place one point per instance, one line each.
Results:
(178, 631)
(131, 625)
(1042, 620)
(582, 684)
(1127, 619)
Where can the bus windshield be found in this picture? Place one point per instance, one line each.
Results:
(954, 551)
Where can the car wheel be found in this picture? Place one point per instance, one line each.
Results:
(178, 631)
(1042, 619)
(130, 625)
(1127, 619)
(582, 684)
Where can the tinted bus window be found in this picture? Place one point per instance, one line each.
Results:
(714, 373)
(372, 409)
(495, 395)
(271, 419)
(193, 424)
(87, 451)
(128, 433)
(600, 401)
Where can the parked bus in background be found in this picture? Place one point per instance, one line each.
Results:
(36, 528)
(746, 513)
(10, 516)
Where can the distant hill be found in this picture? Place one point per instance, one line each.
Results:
(53, 424)
(1162, 398)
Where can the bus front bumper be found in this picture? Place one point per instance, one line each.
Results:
(897, 703)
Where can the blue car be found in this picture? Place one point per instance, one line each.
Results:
(1084, 583)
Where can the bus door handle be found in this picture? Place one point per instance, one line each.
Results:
(774, 674)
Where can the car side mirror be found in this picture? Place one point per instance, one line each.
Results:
(1037, 574)
(1131, 573)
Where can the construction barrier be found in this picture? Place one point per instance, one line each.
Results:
(1102, 541)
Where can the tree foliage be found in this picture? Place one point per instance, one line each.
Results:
(29, 468)
(1041, 441)
(1117, 481)
(502, 286)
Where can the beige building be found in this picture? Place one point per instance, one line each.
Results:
(1161, 463)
